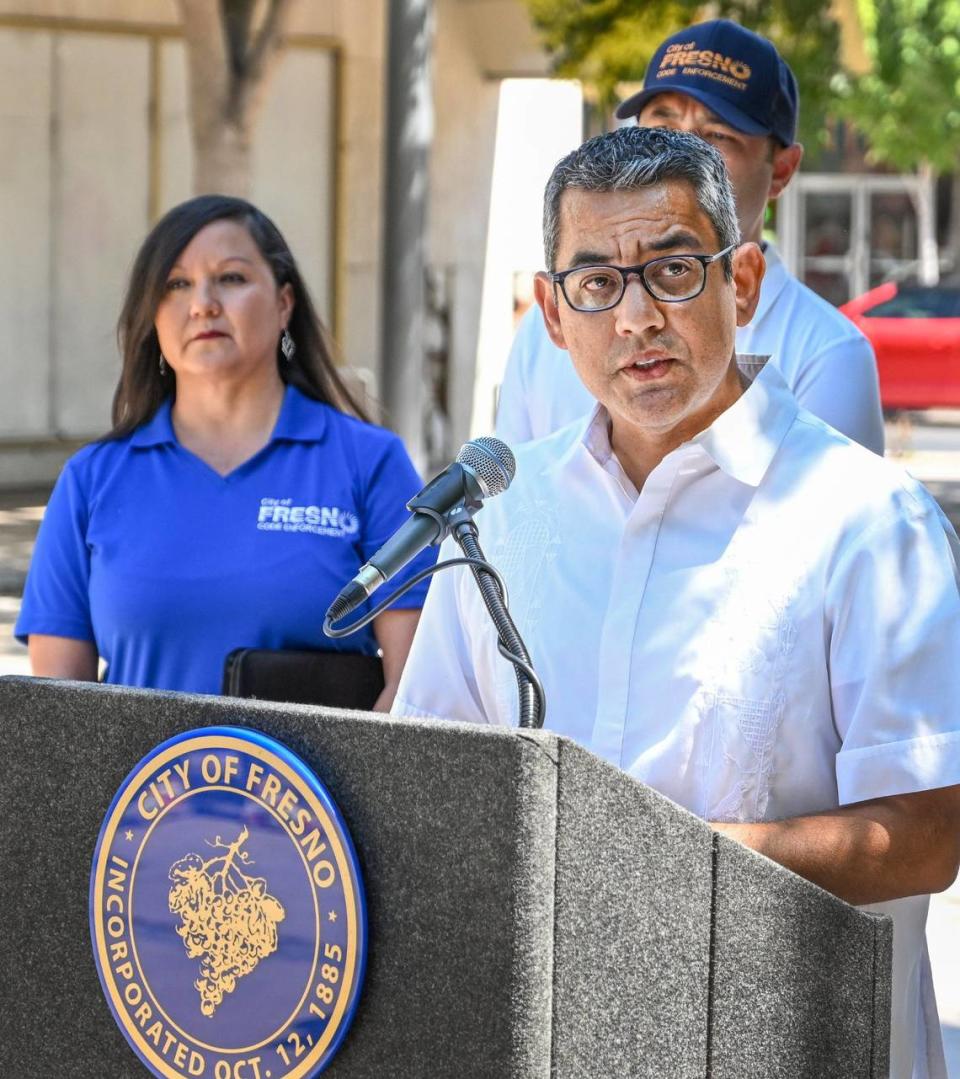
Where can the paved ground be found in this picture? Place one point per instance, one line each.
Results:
(20, 515)
(929, 448)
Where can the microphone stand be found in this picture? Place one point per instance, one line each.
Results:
(532, 704)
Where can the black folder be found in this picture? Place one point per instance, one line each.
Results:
(334, 679)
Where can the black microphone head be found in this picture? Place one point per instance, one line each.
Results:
(491, 461)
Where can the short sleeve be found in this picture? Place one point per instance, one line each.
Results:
(439, 679)
(56, 595)
(840, 385)
(893, 607)
(390, 483)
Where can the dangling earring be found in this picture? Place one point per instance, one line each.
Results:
(162, 365)
(287, 345)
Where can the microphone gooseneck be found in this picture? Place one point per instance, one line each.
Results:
(533, 705)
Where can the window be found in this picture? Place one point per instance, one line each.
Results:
(919, 303)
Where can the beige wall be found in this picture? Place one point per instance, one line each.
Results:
(94, 164)
(97, 158)
(25, 252)
(465, 104)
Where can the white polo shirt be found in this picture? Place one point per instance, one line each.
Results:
(769, 628)
(825, 360)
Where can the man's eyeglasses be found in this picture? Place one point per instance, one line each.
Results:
(670, 279)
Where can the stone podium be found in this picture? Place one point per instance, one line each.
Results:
(533, 912)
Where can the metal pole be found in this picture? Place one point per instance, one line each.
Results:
(409, 131)
(925, 195)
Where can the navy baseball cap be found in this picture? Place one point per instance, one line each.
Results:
(736, 73)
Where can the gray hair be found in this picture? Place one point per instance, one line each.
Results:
(634, 157)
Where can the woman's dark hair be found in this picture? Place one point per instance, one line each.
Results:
(142, 387)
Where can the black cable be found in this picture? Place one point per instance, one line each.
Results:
(533, 704)
(532, 713)
(415, 580)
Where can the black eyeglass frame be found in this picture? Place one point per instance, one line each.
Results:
(559, 277)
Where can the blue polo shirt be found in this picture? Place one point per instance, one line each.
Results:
(168, 566)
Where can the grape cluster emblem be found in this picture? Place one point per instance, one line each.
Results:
(228, 920)
(227, 911)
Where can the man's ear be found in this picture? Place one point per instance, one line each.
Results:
(786, 161)
(545, 292)
(748, 270)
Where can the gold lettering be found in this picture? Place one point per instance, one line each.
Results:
(164, 778)
(324, 874)
(143, 1013)
(210, 768)
(317, 846)
(287, 802)
(141, 805)
(253, 775)
(182, 769)
(300, 823)
(230, 766)
(271, 788)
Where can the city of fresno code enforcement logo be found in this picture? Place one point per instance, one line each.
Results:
(227, 911)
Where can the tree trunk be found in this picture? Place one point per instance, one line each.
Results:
(229, 63)
(221, 159)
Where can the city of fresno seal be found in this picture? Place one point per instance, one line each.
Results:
(227, 912)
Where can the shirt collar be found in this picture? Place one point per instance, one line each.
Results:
(742, 441)
(774, 279)
(157, 431)
(301, 419)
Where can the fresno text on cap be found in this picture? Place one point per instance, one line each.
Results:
(688, 56)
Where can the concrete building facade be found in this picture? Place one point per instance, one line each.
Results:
(93, 116)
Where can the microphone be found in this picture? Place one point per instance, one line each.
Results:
(484, 467)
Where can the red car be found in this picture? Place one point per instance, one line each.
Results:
(915, 332)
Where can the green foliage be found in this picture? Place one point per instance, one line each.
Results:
(908, 105)
(608, 42)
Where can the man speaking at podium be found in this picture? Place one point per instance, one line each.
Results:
(721, 594)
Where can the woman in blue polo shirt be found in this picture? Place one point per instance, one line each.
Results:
(236, 493)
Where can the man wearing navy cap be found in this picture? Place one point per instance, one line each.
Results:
(733, 89)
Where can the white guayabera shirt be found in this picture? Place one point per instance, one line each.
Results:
(771, 627)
